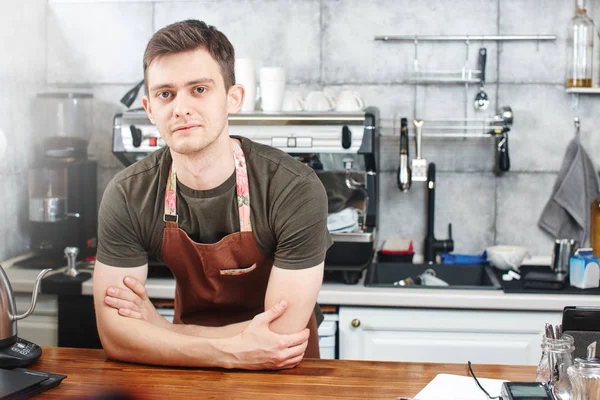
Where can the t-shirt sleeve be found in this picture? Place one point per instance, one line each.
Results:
(118, 243)
(300, 224)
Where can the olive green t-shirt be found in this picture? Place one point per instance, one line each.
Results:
(288, 206)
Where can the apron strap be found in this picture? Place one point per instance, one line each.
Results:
(171, 197)
(242, 190)
(242, 187)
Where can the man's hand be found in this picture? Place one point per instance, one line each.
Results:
(257, 347)
(134, 303)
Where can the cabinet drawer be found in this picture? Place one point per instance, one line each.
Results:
(453, 336)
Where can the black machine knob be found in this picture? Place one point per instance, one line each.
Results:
(315, 163)
(136, 135)
(346, 137)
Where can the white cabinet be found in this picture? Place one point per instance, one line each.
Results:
(438, 335)
(41, 327)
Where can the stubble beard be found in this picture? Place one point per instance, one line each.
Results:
(198, 143)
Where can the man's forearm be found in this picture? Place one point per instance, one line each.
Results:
(226, 331)
(141, 342)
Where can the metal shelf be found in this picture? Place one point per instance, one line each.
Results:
(592, 90)
(464, 38)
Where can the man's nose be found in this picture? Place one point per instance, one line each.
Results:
(182, 105)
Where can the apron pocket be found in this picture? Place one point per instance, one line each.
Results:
(237, 271)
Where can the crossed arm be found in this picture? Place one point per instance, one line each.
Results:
(131, 329)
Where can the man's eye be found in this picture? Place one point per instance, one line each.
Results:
(164, 95)
(200, 89)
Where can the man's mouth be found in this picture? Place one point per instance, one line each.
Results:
(185, 128)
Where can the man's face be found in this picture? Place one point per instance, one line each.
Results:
(187, 100)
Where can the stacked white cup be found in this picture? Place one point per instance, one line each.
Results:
(272, 87)
(245, 75)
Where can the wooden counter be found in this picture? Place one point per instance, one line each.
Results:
(91, 374)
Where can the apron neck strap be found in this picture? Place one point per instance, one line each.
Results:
(242, 190)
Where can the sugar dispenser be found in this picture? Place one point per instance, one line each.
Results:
(584, 375)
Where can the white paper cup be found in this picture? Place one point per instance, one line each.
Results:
(272, 88)
(245, 75)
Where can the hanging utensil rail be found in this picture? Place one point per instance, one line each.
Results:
(460, 129)
(466, 127)
(465, 75)
(463, 38)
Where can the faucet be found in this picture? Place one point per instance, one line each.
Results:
(433, 245)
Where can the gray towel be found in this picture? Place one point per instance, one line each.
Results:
(567, 213)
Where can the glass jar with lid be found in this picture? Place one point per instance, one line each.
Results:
(580, 48)
(65, 124)
(584, 375)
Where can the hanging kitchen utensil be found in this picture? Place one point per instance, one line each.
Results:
(481, 99)
(404, 173)
(501, 122)
(132, 94)
(419, 165)
(503, 159)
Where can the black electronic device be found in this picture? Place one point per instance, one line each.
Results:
(583, 324)
(581, 318)
(62, 210)
(20, 354)
(62, 181)
(20, 383)
(544, 280)
(526, 391)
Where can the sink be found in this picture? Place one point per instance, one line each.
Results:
(458, 276)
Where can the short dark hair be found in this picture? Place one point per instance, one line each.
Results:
(190, 35)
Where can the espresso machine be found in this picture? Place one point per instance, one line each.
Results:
(342, 148)
(62, 182)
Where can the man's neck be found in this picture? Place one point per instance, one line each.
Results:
(207, 169)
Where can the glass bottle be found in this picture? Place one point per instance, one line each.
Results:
(580, 49)
(595, 228)
(555, 352)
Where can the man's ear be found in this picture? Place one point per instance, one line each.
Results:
(235, 98)
(147, 107)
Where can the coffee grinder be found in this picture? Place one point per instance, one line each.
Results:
(62, 182)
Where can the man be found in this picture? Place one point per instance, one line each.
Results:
(242, 226)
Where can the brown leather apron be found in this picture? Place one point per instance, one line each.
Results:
(225, 282)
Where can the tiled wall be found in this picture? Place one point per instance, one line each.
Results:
(329, 44)
(22, 74)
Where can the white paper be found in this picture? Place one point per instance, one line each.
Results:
(457, 387)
